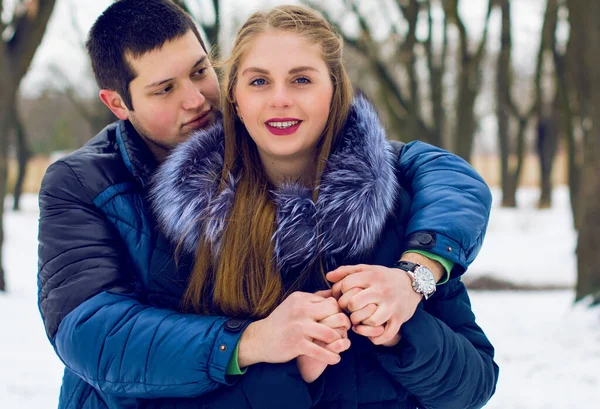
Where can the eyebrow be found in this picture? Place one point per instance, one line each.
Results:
(292, 71)
(161, 82)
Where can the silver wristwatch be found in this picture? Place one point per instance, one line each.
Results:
(423, 281)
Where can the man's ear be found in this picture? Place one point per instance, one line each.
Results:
(115, 103)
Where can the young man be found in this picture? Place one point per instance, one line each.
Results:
(109, 289)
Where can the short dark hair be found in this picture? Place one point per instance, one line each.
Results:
(133, 27)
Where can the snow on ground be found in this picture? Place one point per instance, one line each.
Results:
(30, 372)
(548, 350)
(527, 245)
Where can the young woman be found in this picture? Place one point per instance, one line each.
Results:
(298, 190)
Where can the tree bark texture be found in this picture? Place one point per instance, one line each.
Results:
(585, 15)
(548, 110)
(23, 155)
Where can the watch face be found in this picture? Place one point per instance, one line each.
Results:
(424, 280)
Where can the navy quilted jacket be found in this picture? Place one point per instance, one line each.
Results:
(109, 291)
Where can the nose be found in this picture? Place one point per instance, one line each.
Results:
(193, 97)
(281, 98)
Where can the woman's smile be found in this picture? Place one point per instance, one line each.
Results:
(283, 126)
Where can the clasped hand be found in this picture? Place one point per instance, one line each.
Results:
(378, 299)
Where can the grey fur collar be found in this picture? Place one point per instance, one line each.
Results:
(357, 194)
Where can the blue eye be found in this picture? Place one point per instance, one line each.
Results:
(302, 80)
(258, 82)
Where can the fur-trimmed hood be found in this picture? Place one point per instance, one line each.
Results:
(357, 194)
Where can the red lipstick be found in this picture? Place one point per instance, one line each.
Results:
(283, 127)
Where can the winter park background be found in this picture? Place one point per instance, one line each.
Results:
(547, 347)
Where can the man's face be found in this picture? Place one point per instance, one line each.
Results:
(176, 92)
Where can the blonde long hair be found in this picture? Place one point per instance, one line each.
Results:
(243, 280)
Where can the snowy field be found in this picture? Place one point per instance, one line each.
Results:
(548, 350)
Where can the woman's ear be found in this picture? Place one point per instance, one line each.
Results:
(237, 111)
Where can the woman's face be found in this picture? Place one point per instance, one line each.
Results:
(283, 95)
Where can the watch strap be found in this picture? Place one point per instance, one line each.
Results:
(406, 265)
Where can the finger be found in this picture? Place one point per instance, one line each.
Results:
(342, 331)
(342, 272)
(319, 353)
(379, 317)
(321, 343)
(304, 297)
(336, 290)
(368, 331)
(320, 332)
(361, 279)
(339, 346)
(326, 308)
(363, 314)
(363, 298)
(347, 296)
(337, 321)
(324, 293)
(391, 330)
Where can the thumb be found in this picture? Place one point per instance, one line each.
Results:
(324, 293)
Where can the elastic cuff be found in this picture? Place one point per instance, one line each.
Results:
(223, 349)
(233, 368)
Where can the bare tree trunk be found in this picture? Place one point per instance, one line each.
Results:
(6, 104)
(4, 126)
(548, 111)
(436, 73)
(469, 81)
(571, 73)
(506, 111)
(6, 86)
(16, 53)
(547, 145)
(465, 125)
(574, 168)
(23, 155)
(211, 30)
(503, 108)
(409, 60)
(3, 179)
(585, 15)
(398, 130)
(588, 243)
(509, 193)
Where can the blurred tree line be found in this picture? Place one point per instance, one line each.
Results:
(425, 71)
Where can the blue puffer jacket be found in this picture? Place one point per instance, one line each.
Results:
(109, 291)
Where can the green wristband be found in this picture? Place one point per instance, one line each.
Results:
(233, 367)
